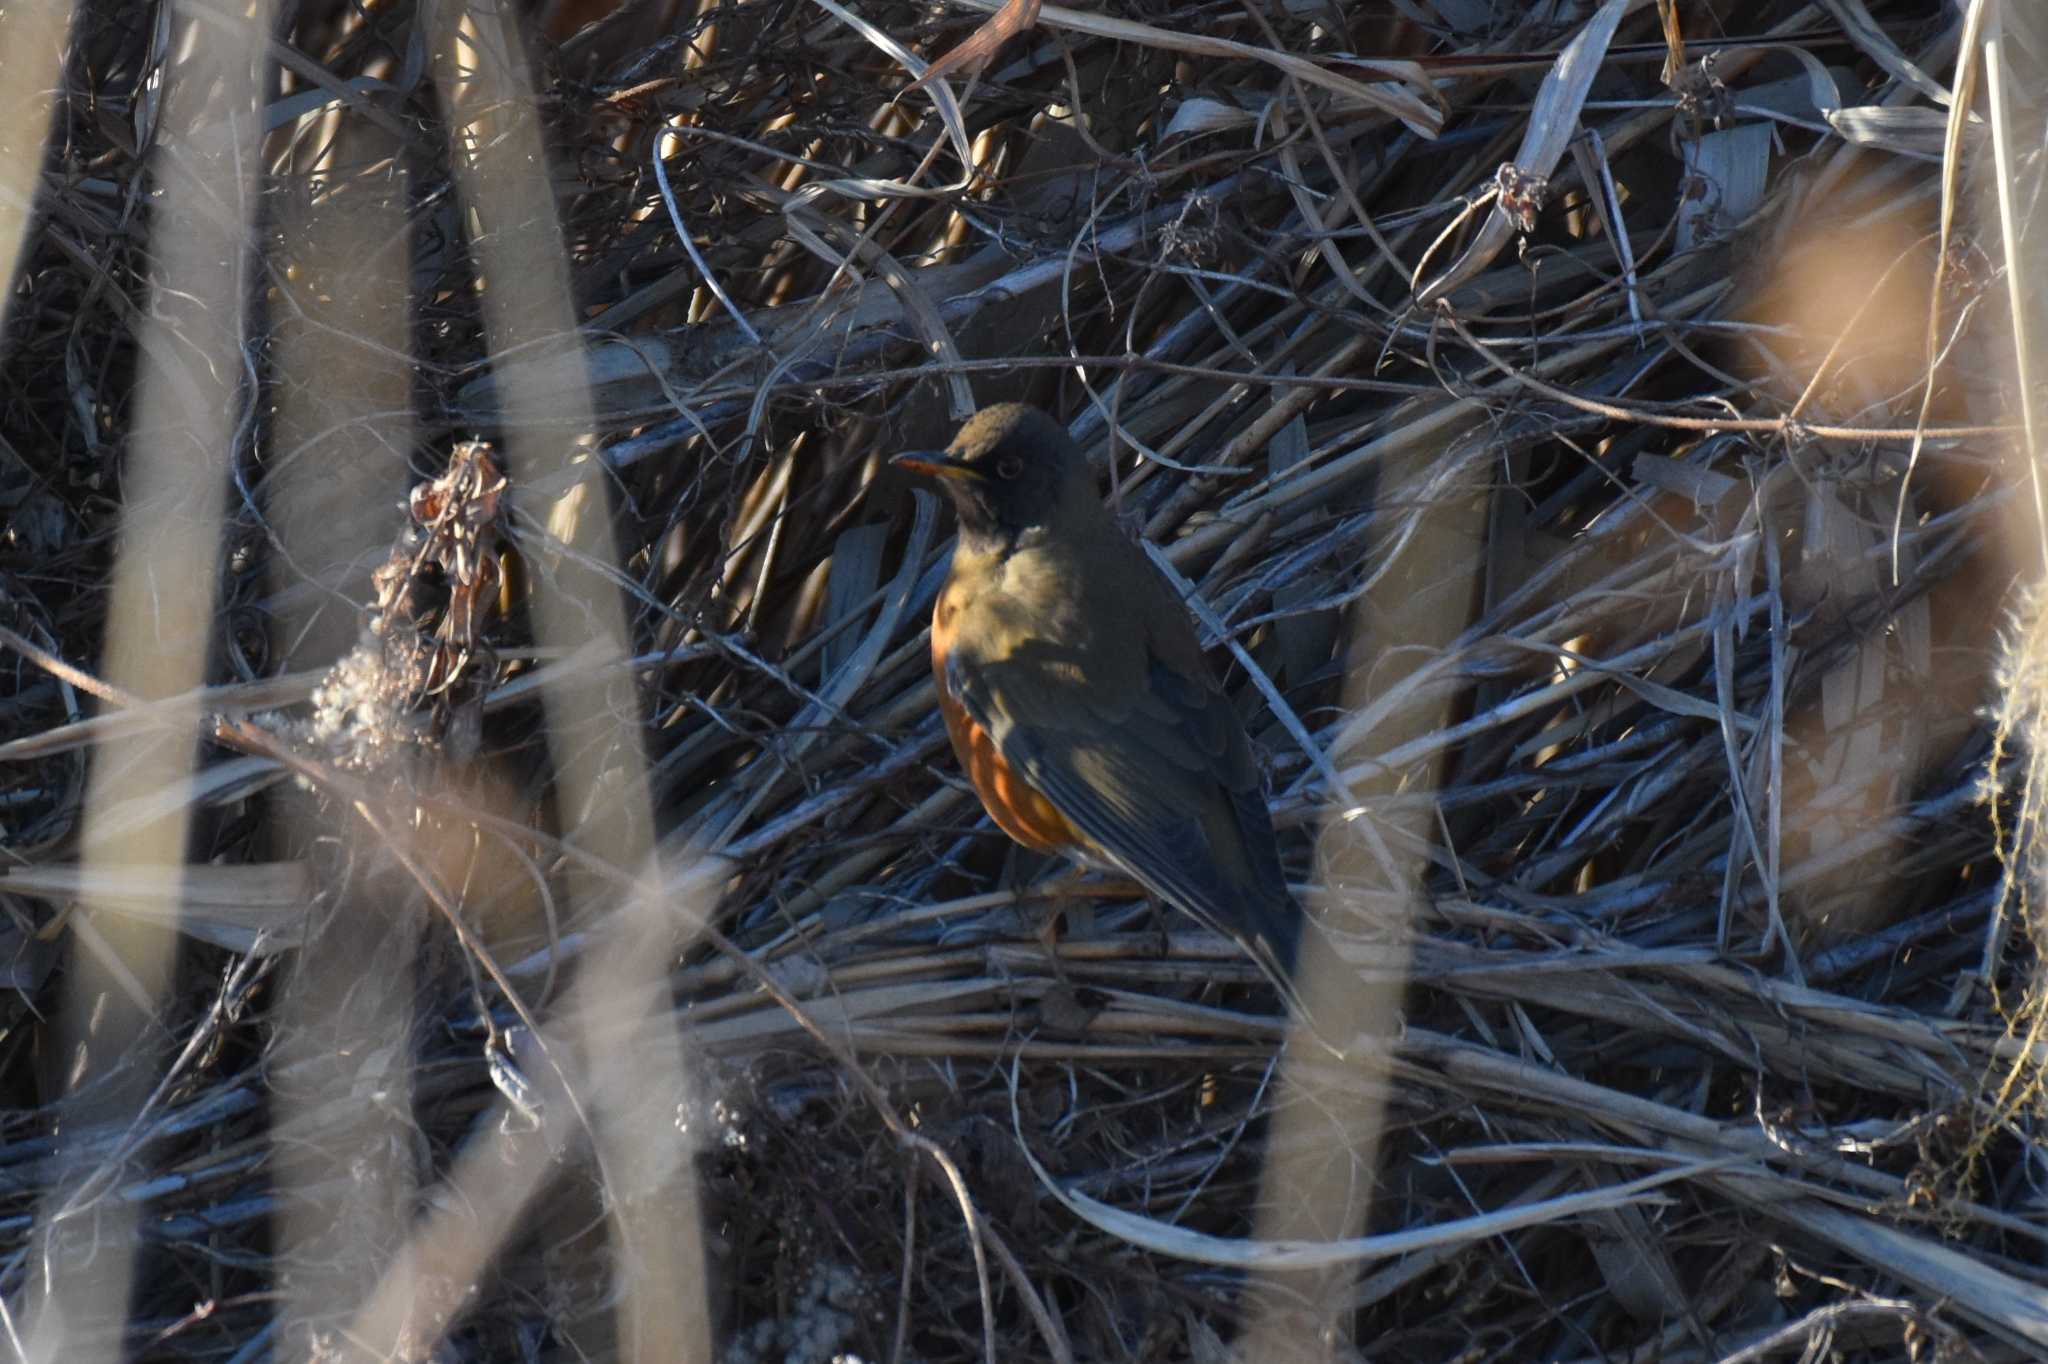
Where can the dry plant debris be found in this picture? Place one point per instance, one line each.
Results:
(1591, 435)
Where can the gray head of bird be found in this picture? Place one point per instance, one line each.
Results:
(1010, 470)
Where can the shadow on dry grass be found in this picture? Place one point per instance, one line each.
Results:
(541, 919)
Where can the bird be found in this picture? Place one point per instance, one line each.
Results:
(1078, 697)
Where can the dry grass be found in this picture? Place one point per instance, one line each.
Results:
(1610, 555)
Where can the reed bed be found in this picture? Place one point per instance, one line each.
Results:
(1592, 439)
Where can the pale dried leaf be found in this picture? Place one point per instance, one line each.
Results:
(975, 50)
(1552, 124)
(1200, 115)
(1906, 130)
(243, 908)
(1735, 164)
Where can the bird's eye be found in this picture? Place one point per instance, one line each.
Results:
(1009, 466)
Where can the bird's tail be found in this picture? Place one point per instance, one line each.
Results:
(1276, 944)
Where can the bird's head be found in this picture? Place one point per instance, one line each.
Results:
(1011, 469)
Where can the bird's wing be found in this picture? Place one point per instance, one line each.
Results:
(1149, 761)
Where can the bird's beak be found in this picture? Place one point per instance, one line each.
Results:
(937, 463)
